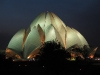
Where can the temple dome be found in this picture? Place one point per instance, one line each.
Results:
(45, 27)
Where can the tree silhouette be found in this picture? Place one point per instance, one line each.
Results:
(86, 51)
(52, 52)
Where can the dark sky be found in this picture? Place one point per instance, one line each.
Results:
(83, 15)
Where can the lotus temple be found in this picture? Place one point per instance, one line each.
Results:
(45, 27)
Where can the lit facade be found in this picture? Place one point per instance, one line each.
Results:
(45, 27)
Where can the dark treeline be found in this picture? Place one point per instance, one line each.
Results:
(51, 59)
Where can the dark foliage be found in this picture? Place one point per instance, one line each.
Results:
(52, 51)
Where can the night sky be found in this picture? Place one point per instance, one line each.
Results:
(83, 15)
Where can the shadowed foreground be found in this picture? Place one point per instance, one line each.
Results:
(57, 68)
(52, 59)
